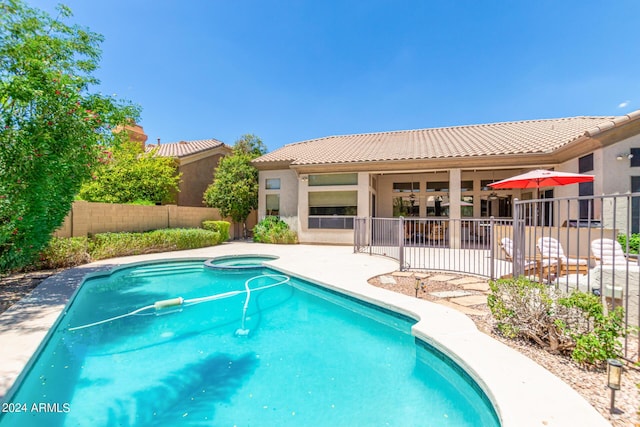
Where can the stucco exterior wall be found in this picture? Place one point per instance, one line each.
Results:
(288, 195)
(196, 177)
(617, 176)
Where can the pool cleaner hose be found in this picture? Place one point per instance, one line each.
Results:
(162, 306)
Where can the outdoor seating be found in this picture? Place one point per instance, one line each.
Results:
(437, 232)
(608, 252)
(531, 267)
(551, 249)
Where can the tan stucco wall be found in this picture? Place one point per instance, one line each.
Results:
(288, 195)
(196, 177)
(618, 173)
(90, 218)
(612, 176)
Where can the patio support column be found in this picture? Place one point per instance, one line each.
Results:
(364, 198)
(303, 204)
(455, 182)
(363, 194)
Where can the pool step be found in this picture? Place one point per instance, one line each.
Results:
(157, 271)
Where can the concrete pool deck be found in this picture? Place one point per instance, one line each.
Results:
(523, 393)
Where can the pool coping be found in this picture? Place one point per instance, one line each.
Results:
(523, 393)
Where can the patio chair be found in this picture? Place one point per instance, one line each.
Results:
(551, 249)
(531, 267)
(437, 231)
(608, 252)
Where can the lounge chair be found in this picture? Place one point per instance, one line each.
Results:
(608, 252)
(531, 266)
(551, 249)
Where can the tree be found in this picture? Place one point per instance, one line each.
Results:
(250, 145)
(234, 190)
(131, 175)
(52, 127)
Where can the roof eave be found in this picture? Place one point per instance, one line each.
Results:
(272, 165)
(520, 159)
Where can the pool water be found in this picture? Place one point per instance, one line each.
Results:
(301, 356)
(238, 261)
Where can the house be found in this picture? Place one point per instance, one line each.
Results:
(318, 186)
(197, 161)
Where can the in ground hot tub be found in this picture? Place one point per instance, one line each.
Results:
(238, 262)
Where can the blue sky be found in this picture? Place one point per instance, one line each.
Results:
(290, 70)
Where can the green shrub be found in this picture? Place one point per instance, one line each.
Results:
(634, 242)
(573, 323)
(64, 253)
(221, 227)
(601, 342)
(109, 245)
(273, 230)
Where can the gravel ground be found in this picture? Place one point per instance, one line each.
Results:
(591, 384)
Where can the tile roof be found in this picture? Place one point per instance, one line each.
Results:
(184, 148)
(509, 138)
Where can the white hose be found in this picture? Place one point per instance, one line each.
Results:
(181, 302)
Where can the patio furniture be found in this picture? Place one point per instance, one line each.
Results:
(531, 266)
(437, 232)
(608, 251)
(551, 249)
(620, 286)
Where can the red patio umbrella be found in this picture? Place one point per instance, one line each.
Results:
(541, 178)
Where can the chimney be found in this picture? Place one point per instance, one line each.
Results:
(158, 142)
(134, 132)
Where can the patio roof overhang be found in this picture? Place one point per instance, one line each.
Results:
(404, 166)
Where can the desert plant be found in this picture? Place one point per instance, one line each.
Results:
(274, 230)
(221, 227)
(558, 322)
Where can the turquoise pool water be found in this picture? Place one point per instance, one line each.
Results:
(301, 356)
(238, 261)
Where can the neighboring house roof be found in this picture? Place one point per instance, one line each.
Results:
(184, 148)
(501, 139)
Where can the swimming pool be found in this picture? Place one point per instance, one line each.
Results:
(308, 357)
(238, 261)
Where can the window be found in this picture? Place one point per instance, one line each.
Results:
(333, 203)
(434, 206)
(466, 210)
(586, 206)
(333, 179)
(272, 184)
(635, 205)
(635, 160)
(273, 204)
(332, 209)
(466, 185)
(438, 186)
(405, 206)
(585, 164)
(484, 184)
(406, 187)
